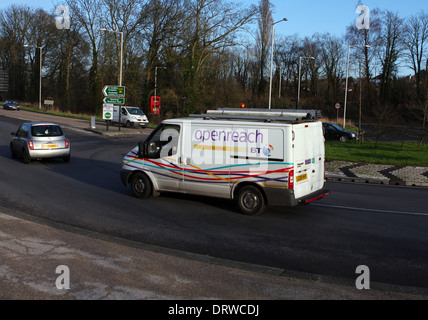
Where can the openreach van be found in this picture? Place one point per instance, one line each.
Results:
(130, 117)
(256, 158)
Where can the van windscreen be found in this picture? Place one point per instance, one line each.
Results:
(135, 111)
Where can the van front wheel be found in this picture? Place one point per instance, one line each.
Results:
(251, 201)
(141, 187)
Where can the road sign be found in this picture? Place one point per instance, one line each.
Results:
(107, 112)
(119, 101)
(114, 91)
(337, 106)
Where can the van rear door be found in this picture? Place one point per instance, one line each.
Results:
(308, 158)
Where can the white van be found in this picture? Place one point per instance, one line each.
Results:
(255, 159)
(130, 117)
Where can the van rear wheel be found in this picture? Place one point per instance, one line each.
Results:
(250, 201)
(141, 186)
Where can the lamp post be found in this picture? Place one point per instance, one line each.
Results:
(271, 60)
(300, 69)
(121, 52)
(40, 73)
(347, 75)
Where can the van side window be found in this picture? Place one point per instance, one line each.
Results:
(164, 142)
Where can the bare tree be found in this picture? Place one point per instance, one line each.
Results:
(15, 23)
(332, 57)
(389, 53)
(366, 41)
(263, 40)
(416, 37)
(163, 26)
(210, 27)
(89, 14)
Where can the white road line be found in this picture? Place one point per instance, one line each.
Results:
(372, 210)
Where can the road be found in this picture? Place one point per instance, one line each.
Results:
(382, 227)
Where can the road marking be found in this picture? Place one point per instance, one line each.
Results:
(372, 210)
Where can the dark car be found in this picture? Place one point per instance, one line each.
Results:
(334, 132)
(11, 105)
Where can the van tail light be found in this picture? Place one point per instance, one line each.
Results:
(31, 145)
(324, 168)
(67, 144)
(291, 180)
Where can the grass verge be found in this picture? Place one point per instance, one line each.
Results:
(69, 115)
(391, 153)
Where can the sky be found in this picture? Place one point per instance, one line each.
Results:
(305, 17)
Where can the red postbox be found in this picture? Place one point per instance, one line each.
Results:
(155, 103)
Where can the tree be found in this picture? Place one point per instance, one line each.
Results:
(210, 27)
(15, 23)
(416, 37)
(163, 25)
(389, 53)
(263, 41)
(332, 53)
(89, 14)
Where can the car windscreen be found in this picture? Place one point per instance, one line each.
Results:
(136, 111)
(337, 127)
(46, 130)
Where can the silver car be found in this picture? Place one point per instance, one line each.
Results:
(39, 140)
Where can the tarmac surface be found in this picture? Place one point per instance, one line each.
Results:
(37, 256)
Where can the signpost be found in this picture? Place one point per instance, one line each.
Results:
(113, 95)
(111, 100)
(108, 113)
(114, 91)
(337, 106)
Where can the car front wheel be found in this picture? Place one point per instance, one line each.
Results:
(141, 186)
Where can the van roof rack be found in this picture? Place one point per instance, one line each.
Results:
(267, 115)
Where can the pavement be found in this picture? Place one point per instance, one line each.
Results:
(37, 257)
(376, 173)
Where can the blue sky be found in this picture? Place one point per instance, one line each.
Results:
(306, 17)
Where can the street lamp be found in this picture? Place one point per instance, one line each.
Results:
(347, 74)
(271, 60)
(40, 73)
(300, 69)
(121, 52)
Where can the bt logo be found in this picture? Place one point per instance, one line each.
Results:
(267, 150)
